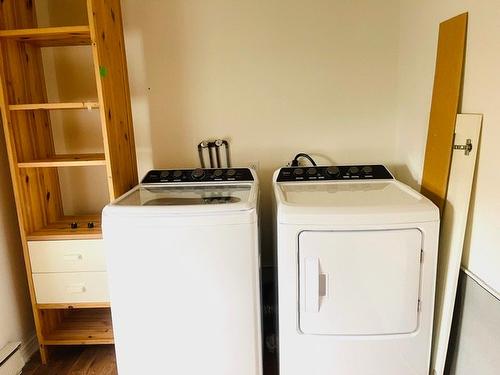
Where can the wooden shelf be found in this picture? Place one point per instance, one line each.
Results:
(51, 106)
(27, 126)
(66, 160)
(81, 327)
(83, 305)
(61, 229)
(50, 36)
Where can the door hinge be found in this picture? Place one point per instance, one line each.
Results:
(467, 147)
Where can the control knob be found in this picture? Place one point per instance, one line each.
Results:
(367, 169)
(312, 171)
(353, 170)
(198, 174)
(218, 173)
(332, 171)
(231, 173)
(298, 171)
(177, 174)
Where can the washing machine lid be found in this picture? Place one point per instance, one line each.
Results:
(351, 202)
(191, 191)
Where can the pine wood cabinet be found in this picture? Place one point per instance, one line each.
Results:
(69, 300)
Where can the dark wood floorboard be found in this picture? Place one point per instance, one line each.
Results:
(93, 360)
(75, 360)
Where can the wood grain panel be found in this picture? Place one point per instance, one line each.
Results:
(65, 160)
(49, 106)
(108, 48)
(50, 36)
(22, 80)
(79, 327)
(445, 104)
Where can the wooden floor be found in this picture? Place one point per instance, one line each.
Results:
(79, 360)
(93, 360)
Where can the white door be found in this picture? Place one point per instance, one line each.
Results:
(359, 282)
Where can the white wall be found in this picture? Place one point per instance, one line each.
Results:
(274, 77)
(16, 322)
(481, 94)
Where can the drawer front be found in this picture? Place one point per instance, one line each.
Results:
(67, 256)
(71, 287)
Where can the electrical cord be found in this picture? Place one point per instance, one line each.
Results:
(295, 161)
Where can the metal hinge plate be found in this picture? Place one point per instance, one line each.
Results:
(467, 147)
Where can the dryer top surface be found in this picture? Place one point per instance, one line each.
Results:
(351, 202)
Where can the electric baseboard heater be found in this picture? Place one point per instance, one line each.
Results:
(11, 361)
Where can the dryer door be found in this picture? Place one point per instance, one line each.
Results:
(359, 282)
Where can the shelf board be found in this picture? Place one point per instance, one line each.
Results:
(49, 106)
(61, 229)
(50, 36)
(82, 305)
(81, 327)
(65, 160)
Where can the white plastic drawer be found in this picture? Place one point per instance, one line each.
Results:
(71, 287)
(67, 256)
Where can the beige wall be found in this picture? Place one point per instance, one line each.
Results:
(16, 323)
(273, 77)
(69, 75)
(418, 40)
(350, 81)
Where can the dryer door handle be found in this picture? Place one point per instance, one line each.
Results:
(311, 270)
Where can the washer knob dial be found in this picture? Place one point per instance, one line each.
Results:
(312, 171)
(367, 169)
(198, 174)
(177, 174)
(298, 171)
(332, 171)
(218, 173)
(353, 170)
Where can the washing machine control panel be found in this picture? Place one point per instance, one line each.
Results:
(197, 175)
(335, 173)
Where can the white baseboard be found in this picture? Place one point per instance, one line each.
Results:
(28, 347)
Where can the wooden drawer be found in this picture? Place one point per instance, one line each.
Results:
(71, 287)
(67, 256)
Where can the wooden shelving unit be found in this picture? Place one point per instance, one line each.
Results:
(73, 160)
(79, 327)
(60, 229)
(34, 163)
(49, 106)
(50, 36)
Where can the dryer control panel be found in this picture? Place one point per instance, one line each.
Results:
(197, 175)
(335, 173)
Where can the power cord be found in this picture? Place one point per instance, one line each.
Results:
(295, 161)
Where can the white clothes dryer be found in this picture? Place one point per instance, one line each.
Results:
(183, 264)
(356, 260)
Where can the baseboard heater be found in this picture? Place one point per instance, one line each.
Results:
(11, 361)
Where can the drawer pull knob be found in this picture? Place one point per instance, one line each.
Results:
(73, 257)
(76, 289)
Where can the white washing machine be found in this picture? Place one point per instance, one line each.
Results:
(356, 259)
(183, 264)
